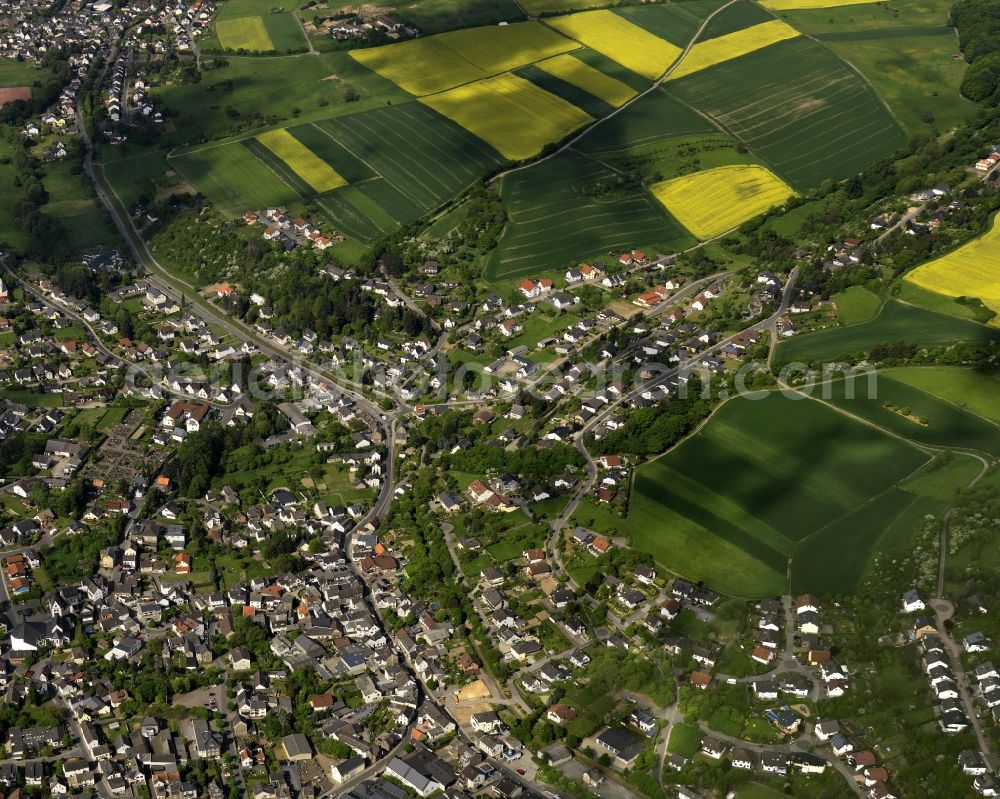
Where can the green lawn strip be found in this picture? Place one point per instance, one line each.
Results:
(685, 739)
(943, 476)
(896, 322)
(965, 388)
(913, 414)
(856, 305)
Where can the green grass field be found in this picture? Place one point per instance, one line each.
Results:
(827, 123)
(233, 179)
(436, 16)
(11, 235)
(912, 413)
(895, 322)
(245, 33)
(556, 217)
(72, 201)
(21, 73)
(913, 70)
(732, 504)
(270, 90)
(856, 305)
(973, 391)
(869, 16)
(250, 25)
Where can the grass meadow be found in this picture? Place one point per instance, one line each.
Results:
(895, 322)
(245, 33)
(972, 391)
(913, 413)
(672, 157)
(11, 235)
(233, 179)
(827, 123)
(732, 504)
(846, 18)
(250, 25)
(72, 201)
(913, 70)
(960, 307)
(856, 305)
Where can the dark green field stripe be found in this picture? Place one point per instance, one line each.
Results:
(345, 163)
(611, 68)
(594, 106)
(279, 166)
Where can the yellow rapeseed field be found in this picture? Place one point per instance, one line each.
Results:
(435, 63)
(510, 113)
(713, 201)
(723, 48)
(302, 161)
(571, 69)
(973, 270)
(245, 33)
(792, 5)
(620, 40)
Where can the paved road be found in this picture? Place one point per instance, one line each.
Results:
(943, 611)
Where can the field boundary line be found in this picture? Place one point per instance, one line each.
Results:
(925, 448)
(339, 142)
